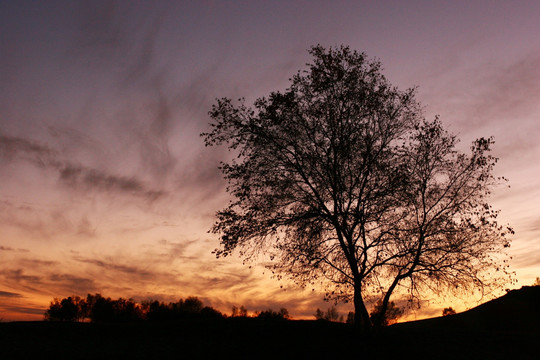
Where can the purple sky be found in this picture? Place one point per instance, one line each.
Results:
(106, 186)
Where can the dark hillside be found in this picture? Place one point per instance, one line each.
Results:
(517, 311)
(508, 326)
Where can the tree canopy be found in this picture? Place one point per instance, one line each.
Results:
(341, 178)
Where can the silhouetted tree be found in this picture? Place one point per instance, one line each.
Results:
(239, 311)
(331, 314)
(208, 312)
(156, 311)
(448, 311)
(102, 309)
(386, 317)
(192, 305)
(67, 309)
(126, 310)
(341, 178)
(282, 314)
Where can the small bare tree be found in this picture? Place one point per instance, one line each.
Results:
(239, 311)
(331, 314)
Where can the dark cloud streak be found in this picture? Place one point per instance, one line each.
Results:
(68, 283)
(49, 281)
(24, 310)
(8, 294)
(73, 175)
(16, 147)
(92, 179)
(112, 266)
(18, 278)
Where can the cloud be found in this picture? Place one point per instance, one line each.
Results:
(99, 30)
(239, 283)
(49, 281)
(38, 222)
(19, 276)
(513, 89)
(36, 263)
(490, 95)
(534, 225)
(71, 284)
(110, 265)
(12, 148)
(126, 40)
(8, 294)
(73, 175)
(527, 257)
(84, 178)
(18, 279)
(23, 310)
(85, 228)
(172, 251)
(145, 48)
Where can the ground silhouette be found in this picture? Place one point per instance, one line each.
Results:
(507, 326)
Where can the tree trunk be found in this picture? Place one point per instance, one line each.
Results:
(361, 315)
(385, 302)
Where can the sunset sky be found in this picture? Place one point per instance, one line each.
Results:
(105, 183)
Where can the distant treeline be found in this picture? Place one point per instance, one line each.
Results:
(96, 308)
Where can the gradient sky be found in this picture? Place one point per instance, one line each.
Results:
(106, 186)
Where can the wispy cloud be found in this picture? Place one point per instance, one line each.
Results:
(12, 148)
(30, 263)
(111, 265)
(49, 281)
(73, 175)
(8, 248)
(71, 284)
(8, 294)
(35, 222)
(20, 280)
(84, 178)
(489, 96)
(25, 310)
